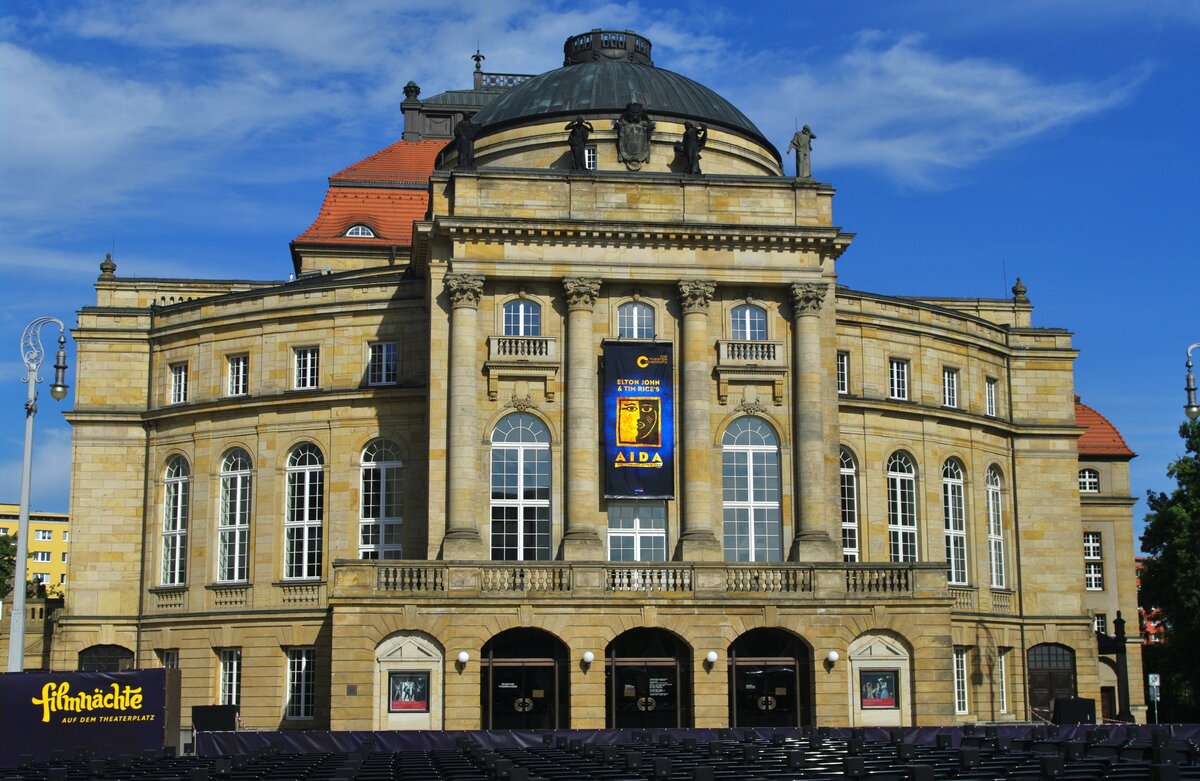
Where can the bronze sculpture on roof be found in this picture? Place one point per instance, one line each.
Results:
(579, 129)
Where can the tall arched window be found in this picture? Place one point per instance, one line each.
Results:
(635, 320)
(175, 522)
(233, 529)
(902, 507)
(522, 317)
(305, 513)
(748, 323)
(849, 482)
(750, 478)
(954, 517)
(520, 488)
(381, 511)
(995, 529)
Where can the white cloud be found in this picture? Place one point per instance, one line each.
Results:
(891, 103)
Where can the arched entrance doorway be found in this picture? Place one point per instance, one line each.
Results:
(1051, 675)
(769, 680)
(524, 682)
(648, 677)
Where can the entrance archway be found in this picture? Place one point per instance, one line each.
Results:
(1051, 675)
(770, 680)
(648, 677)
(525, 682)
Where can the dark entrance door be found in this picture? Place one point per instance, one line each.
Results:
(768, 671)
(648, 677)
(524, 681)
(1051, 675)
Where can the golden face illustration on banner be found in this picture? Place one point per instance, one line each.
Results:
(638, 421)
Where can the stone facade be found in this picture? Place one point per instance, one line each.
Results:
(333, 583)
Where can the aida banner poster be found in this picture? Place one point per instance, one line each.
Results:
(118, 712)
(639, 421)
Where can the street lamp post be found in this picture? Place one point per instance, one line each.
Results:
(1191, 409)
(33, 355)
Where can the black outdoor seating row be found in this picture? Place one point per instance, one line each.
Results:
(732, 756)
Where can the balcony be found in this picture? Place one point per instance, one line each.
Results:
(636, 581)
(751, 362)
(512, 358)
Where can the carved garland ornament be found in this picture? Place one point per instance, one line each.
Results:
(521, 404)
(696, 294)
(808, 297)
(752, 407)
(464, 289)
(581, 292)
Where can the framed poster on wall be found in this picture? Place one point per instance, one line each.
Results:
(878, 688)
(408, 692)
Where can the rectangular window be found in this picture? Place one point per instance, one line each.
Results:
(239, 375)
(949, 387)
(902, 517)
(954, 517)
(989, 397)
(898, 379)
(64, 557)
(300, 683)
(1100, 623)
(960, 680)
(62, 579)
(1002, 680)
(231, 676)
(4, 530)
(66, 536)
(179, 383)
(233, 525)
(42, 556)
(42, 578)
(169, 658)
(308, 368)
(849, 497)
(637, 531)
(995, 530)
(843, 372)
(1093, 565)
(589, 157)
(43, 535)
(381, 365)
(1089, 481)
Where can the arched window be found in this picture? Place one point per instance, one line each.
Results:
(233, 530)
(381, 511)
(635, 320)
(748, 323)
(902, 507)
(520, 489)
(360, 232)
(995, 529)
(954, 517)
(750, 477)
(522, 317)
(105, 659)
(303, 525)
(1089, 481)
(175, 522)
(849, 481)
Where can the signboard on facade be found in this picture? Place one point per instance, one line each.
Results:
(408, 692)
(639, 421)
(877, 688)
(117, 712)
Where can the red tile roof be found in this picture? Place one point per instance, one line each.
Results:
(387, 212)
(1101, 437)
(403, 161)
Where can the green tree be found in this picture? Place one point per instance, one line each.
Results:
(1171, 577)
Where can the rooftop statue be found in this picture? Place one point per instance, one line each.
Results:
(633, 127)
(695, 136)
(465, 133)
(579, 129)
(802, 143)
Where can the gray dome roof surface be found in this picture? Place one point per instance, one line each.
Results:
(607, 86)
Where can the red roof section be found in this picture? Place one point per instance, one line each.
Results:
(1101, 437)
(387, 212)
(403, 161)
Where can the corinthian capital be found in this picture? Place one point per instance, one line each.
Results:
(581, 292)
(464, 289)
(695, 294)
(808, 297)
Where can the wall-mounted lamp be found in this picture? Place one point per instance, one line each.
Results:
(710, 659)
(588, 658)
(463, 658)
(831, 659)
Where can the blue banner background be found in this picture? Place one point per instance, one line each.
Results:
(639, 442)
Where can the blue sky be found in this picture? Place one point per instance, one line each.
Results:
(969, 142)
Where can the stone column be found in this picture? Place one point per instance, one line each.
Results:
(698, 540)
(812, 541)
(582, 539)
(463, 497)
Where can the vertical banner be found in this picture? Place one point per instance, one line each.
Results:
(639, 420)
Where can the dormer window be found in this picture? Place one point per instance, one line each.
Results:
(359, 231)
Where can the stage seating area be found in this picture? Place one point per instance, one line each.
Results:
(731, 756)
